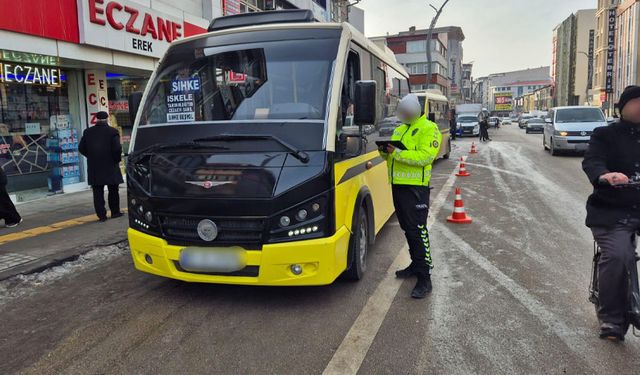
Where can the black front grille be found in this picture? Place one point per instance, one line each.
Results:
(250, 271)
(231, 231)
(572, 141)
(579, 133)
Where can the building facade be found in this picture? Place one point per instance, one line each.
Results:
(502, 88)
(626, 69)
(410, 48)
(467, 83)
(572, 59)
(603, 64)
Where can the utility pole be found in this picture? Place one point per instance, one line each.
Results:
(429, 36)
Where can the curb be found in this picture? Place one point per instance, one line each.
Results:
(46, 262)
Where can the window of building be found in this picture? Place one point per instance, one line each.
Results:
(416, 46)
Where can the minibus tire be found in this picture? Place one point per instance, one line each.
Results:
(358, 245)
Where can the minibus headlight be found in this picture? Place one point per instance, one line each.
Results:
(141, 218)
(302, 215)
(310, 222)
(285, 221)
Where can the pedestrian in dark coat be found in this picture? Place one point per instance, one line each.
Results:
(453, 125)
(8, 210)
(100, 144)
(613, 210)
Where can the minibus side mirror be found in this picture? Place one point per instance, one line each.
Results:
(365, 103)
(548, 120)
(134, 104)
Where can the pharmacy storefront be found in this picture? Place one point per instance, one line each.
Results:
(58, 70)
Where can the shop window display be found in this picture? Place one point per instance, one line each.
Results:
(26, 112)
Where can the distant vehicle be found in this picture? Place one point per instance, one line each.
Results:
(514, 118)
(494, 121)
(436, 106)
(467, 118)
(468, 125)
(388, 125)
(506, 121)
(534, 125)
(472, 108)
(539, 114)
(570, 128)
(523, 119)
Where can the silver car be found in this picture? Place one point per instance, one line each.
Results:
(570, 128)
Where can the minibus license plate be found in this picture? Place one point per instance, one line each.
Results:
(197, 259)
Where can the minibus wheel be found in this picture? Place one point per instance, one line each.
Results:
(359, 247)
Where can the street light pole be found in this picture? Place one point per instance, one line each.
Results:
(429, 36)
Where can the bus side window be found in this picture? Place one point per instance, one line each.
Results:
(351, 76)
(347, 133)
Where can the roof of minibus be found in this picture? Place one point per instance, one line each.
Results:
(431, 95)
(353, 33)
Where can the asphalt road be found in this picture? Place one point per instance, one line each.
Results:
(510, 296)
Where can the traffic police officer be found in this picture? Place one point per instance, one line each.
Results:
(613, 213)
(409, 174)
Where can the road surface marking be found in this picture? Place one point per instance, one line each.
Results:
(354, 347)
(521, 175)
(34, 232)
(570, 337)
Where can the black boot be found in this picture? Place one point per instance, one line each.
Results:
(611, 332)
(422, 288)
(405, 273)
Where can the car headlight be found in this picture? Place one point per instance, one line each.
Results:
(305, 221)
(560, 133)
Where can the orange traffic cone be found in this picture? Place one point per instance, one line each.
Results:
(462, 171)
(459, 215)
(474, 150)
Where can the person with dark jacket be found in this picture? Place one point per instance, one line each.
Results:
(8, 210)
(613, 210)
(100, 144)
(453, 124)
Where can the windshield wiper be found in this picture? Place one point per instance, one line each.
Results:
(297, 153)
(137, 155)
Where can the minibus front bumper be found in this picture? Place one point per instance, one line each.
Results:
(320, 261)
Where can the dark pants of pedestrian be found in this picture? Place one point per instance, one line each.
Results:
(98, 200)
(412, 208)
(8, 210)
(453, 131)
(616, 268)
(484, 132)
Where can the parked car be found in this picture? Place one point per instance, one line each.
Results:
(570, 128)
(523, 119)
(534, 125)
(387, 126)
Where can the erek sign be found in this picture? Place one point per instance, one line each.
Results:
(127, 26)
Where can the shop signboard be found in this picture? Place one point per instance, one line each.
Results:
(504, 102)
(29, 58)
(27, 74)
(125, 25)
(96, 93)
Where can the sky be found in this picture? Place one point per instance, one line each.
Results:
(501, 36)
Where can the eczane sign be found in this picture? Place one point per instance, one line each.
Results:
(127, 26)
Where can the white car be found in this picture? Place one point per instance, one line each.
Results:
(468, 125)
(505, 121)
(570, 128)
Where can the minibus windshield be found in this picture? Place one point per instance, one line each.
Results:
(282, 80)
